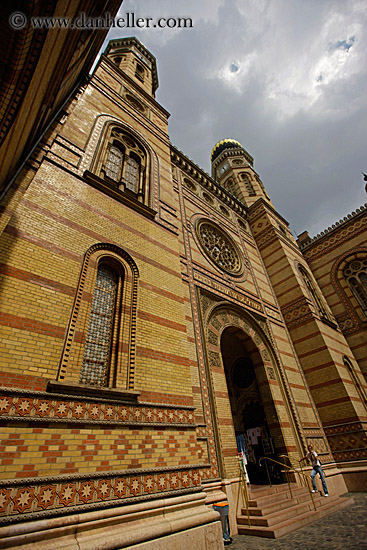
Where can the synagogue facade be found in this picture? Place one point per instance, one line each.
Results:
(154, 318)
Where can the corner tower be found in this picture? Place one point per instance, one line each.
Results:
(135, 61)
(233, 168)
(318, 341)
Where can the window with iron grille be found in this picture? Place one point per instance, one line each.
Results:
(96, 359)
(132, 174)
(114, 163)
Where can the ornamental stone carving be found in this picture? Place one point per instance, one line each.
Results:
(219, 246)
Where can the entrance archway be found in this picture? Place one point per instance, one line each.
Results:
(241, 359)
(228, 328)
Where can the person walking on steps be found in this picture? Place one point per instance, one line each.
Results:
(316, 469)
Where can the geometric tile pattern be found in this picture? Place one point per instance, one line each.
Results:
(40, 405)
(39, 497)
(297, 312)
(349, 441)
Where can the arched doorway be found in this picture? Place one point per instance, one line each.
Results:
(246, 337)
(241, 359)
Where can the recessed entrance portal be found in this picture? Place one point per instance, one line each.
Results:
(244, 370)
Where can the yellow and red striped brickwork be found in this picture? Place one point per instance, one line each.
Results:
(171, 422)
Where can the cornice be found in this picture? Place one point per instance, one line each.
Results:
(359, 212)
(200, 176)
(234, 152)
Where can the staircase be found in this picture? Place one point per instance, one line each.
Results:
(274, 512)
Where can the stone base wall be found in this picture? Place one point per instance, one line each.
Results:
(355, 476)
(174, 523)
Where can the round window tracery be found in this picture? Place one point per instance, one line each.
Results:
(135, 103)
(190, 185)
(219, 247)
(208, 198)
(224, 211)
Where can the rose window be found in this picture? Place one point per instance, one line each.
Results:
(219, 247)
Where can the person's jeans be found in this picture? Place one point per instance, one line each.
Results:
(318, 470)
(224, 510)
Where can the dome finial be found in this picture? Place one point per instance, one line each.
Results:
(223, 144)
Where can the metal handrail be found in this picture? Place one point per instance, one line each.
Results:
(244, 488)
(289, 469)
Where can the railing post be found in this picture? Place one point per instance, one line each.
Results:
(244, 488)
(289, 468)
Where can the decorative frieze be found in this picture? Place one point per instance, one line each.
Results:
(34, 498)
(298, 312)
(40, 406)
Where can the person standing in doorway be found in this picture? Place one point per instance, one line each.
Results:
(316, 469)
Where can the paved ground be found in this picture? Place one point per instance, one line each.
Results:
(343, 530)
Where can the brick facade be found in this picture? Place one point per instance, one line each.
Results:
(207, 275)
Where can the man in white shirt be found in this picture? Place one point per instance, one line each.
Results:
(316, 469)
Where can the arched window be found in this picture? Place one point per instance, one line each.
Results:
(139, 72)
(355, 274)
(124, 163)
(249, 187)
(132, 173)
(97, 350)
(230, 186)
(358, 382)
(317, 299)
(115, 160)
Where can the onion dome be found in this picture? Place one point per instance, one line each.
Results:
(224, 144)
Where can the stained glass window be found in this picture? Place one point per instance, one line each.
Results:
(96, 358)
(219, 247)
(132, 174)
(114, 163)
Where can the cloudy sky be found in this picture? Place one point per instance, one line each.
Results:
(286, 78)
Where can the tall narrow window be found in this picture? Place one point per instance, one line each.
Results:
(139, 72)
(114, 163)
(95, 365)
(132, 174)
(355, 273)
(316, 297)
(100, 343)
(356, 380)
(249, 187)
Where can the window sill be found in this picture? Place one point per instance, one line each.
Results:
(84, 390)
(327, 321)
(121, 196)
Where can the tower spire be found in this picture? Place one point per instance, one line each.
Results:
(233, 167)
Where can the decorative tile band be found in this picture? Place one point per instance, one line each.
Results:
(53, 408)
(36, 498)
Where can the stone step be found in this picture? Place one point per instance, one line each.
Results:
(294, 509)
(288, 514)
(275, 499)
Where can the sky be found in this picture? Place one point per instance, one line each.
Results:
(285, 78)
